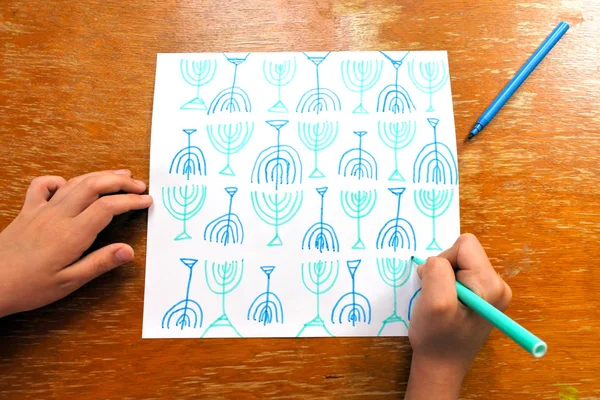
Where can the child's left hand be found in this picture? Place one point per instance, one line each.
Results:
(40, 250)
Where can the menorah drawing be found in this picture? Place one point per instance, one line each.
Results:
(321, 236)
(359, 77)
(279, 164)
(317, 136)
(431, 77)
(435, 162)
(397, 232)
(229, 139)
(223, 278)
(197, 73)
(189, 160)
(358, 162)
(353, 306)
(395, 273)
(410, 303)
(394, 97)
(266, 307)
(276, 209)
(318, 99)
(396, 136)
(358, 205)
(279, 74)
(187, 312)
(232, 99)
(227, 228)
(183, 203)
(433, 203)
(318, 278)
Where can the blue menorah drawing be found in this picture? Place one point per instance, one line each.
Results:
(321, 236)
(223, 279)
(280, 163)
(279, 74)
(197, 73)
(358, 162)
(396, 136)
(227, 228)
(397, 232)
(187, 312)
(395, 273)
(435, 162)
(266, 307)
(317, 136)
(318, 278)
(183, 203)
(358, 205)
(232, 99)
(433, 203)
(229, 139)
(276, 209)
(411, 302)
(318, 99)
(361, 76)
(431, 77)
(189, 160)
(394, 97)
(353, 306)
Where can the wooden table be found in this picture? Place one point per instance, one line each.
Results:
(76, 86)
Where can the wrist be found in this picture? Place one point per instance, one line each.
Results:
(434, 378)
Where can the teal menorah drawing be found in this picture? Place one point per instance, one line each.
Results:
(429, 79)
(279, 74)
(317, 136)
(276, 209)
(197, 73)
(229, 139)
(395, 273)
(184, 203)
(357, 205)
(359, 77)
(433, 203)
(318, 278)
(223, 278)
(396, 136)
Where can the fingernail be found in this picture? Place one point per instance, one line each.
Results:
(123, 255)
(146, 197)
(122, 172)
(139, 182)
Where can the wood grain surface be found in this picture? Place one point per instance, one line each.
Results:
(76, 86)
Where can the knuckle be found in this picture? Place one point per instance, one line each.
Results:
(38, 181)
(105, 204)
(441, 305)
(468, 238)
(99, 266)
(436, 263)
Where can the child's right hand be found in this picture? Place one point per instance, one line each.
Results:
(446, 335)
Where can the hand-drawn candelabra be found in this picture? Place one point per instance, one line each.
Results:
(223, 279)
(232, 99)
(318, 278)
(321, 236)
(396, 136)
(395, 273)
(358, 162)
(358, 205)
(227, 228)
(353, 306)
(361, 76)
(184, 203)
(431, 77)
(317, 136)
(266, 307)
(197, 73)
(189, 160)
(397, 232)
(229, 139)
(435, 162)
(433, 203)
(276, 209)
(394, 97)
(318, 99)
(187, 312)
(279, 74)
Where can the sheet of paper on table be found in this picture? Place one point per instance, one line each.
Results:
(291, 189)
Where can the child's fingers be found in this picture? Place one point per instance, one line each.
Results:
(94, 265)
(73, 182)
(41, 190)
(91, 188)
(467, 254)
(438, 295)
(98, 215)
